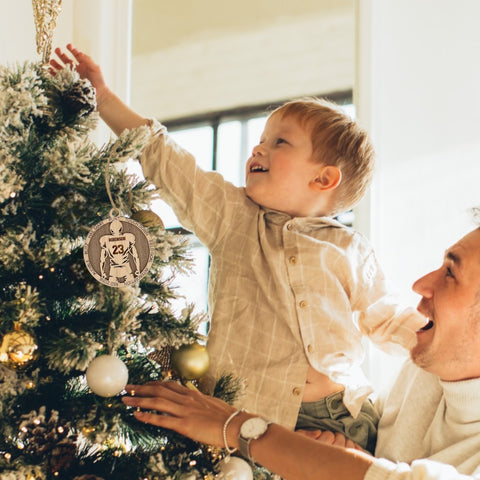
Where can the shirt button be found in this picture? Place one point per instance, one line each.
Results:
(310, 349)
(289, 226)
(293, 260)
(303, 304)
(297, 391)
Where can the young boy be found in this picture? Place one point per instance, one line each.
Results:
(286, 279)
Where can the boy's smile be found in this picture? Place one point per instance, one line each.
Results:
(256, 167)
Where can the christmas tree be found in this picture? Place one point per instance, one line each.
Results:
(57, 318)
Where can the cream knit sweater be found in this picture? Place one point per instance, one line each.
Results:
(429, 429)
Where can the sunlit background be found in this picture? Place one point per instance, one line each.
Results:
(211, 69)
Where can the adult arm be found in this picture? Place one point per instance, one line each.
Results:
(282, 451)
(289, 454)
(115, 113)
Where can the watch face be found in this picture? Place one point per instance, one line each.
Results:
(253, 427)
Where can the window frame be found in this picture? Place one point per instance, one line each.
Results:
(243, 115)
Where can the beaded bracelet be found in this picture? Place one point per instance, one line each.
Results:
(225, 425)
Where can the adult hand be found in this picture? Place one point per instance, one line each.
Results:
(330, 438)
(186, 411)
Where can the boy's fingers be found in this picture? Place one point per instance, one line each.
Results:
(74, 51)
(55, 64)
(63, 57)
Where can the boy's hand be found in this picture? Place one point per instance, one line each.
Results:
(330, 438)
(116, 114)
(83, 64)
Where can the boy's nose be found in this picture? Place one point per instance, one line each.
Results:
(257, 150)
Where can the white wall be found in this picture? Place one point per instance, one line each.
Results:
(17, 30)
(219, 57)
(418, 94)
(245, 69)
(417, 91)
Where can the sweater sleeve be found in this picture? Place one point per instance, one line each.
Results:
(382, 469)
(202, 200)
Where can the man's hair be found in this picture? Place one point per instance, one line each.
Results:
(476, 215)
(336, 140)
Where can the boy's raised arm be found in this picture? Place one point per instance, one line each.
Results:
(114, 112)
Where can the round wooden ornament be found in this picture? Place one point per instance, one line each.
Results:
(118, 251)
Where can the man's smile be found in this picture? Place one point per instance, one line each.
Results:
(428, 326)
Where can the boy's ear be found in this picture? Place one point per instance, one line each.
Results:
(327, 178)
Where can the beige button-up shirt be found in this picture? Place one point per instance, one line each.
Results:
(284, 293)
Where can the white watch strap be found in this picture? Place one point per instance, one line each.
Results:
(244, 443)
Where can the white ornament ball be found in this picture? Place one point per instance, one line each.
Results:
(235, 468)
(107, 375)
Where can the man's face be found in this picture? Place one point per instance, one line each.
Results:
(449, 346)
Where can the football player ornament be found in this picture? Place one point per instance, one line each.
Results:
(118, 251)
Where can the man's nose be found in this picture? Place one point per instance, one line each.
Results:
(424, 285)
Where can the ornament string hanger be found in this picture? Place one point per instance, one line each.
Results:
(115, 210)
(45, 13)
(118, 251)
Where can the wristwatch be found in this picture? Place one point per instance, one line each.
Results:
(251, 429)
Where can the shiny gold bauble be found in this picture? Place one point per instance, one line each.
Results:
(190, 362)
(19, 349)
(148, 219)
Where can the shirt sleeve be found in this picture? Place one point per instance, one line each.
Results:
(383, 469)
(203, 201)
(381, 317)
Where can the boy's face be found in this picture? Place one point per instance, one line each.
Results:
(280, 168)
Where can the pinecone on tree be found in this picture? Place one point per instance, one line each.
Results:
(79, 99)
(50, 438)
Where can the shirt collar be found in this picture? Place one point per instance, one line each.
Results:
(462, 399)
(303, 223)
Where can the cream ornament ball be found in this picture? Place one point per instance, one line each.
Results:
(235, 468)
(107, 375)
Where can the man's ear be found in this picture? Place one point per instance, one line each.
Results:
(327, 178)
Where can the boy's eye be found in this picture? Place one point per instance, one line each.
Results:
(281, 140)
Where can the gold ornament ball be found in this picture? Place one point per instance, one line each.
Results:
(148, 219)
(19, 349)
(191, 362)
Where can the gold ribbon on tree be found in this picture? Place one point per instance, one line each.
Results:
(45, 13)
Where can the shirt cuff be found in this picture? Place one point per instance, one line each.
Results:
(382, 469)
